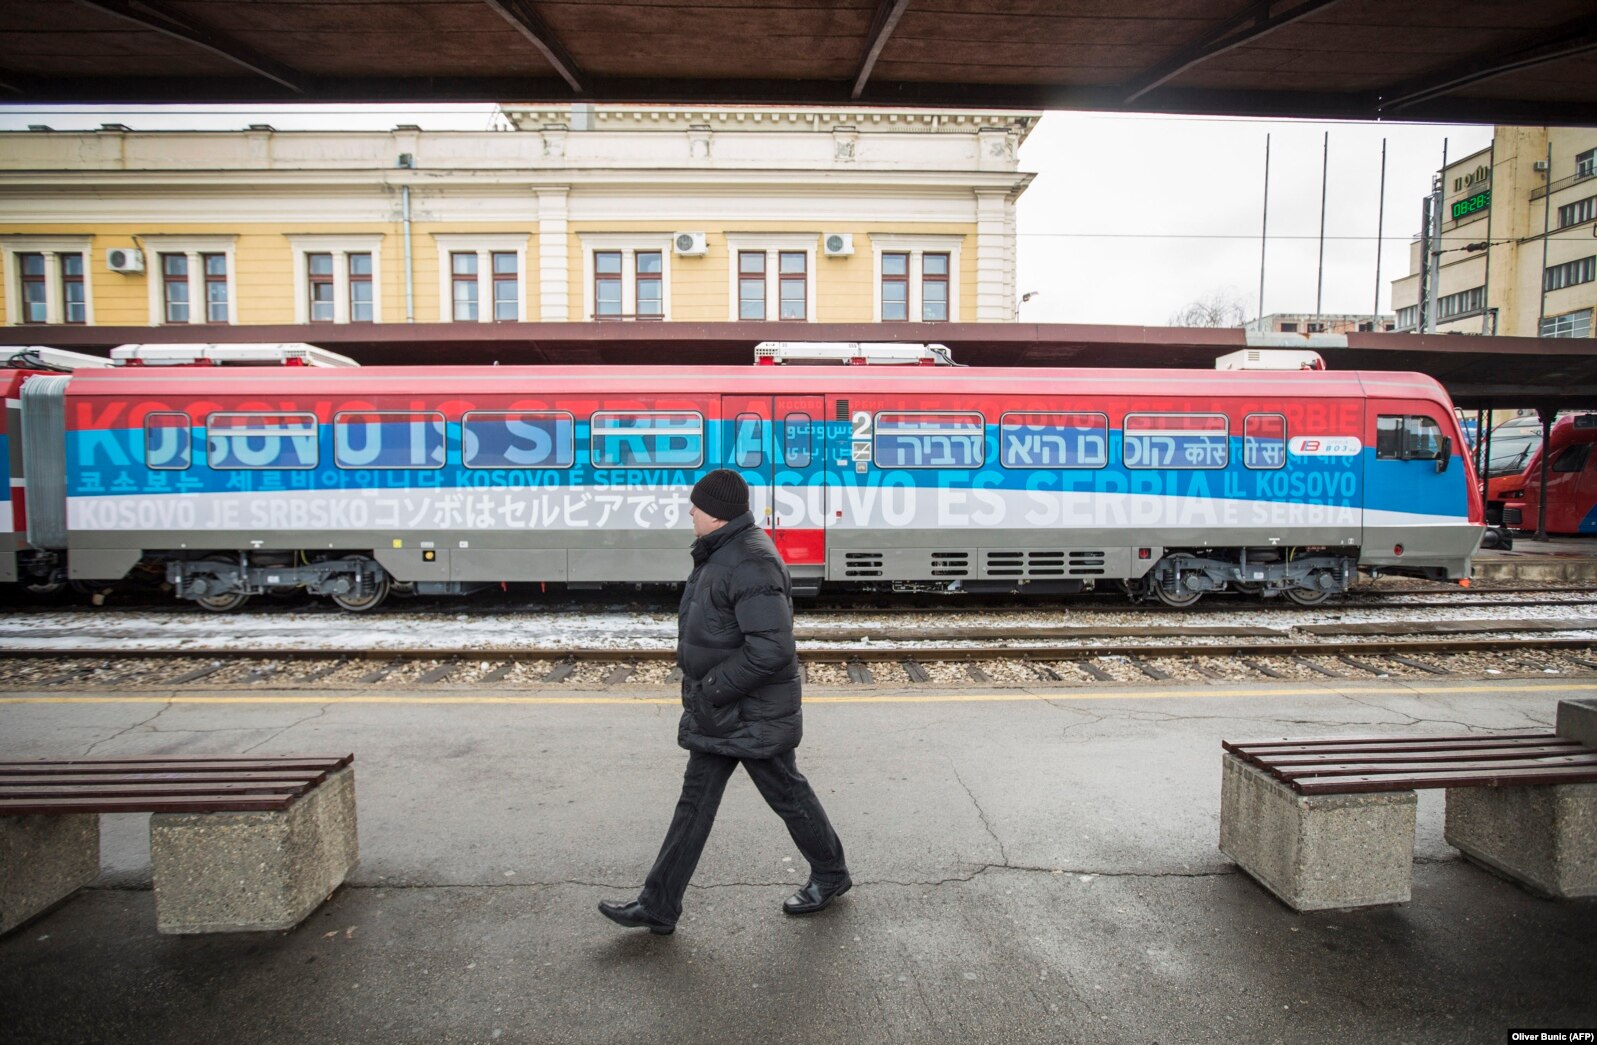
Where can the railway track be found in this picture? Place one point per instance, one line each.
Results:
(1245, 658)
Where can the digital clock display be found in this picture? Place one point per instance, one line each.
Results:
(1479, 201)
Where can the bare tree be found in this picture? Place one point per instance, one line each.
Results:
(1218, 308)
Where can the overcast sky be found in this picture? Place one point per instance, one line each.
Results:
(1130, 217)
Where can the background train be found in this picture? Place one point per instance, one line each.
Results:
(353, 483)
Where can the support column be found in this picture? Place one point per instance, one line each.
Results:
(1316, 852)
(44, 860)
(994, 304)
(554, 266)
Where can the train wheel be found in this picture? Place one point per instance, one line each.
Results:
(226, 602)
(369, 594)
(1177, 600)
(1305, 597)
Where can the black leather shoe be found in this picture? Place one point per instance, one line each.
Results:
(816, 897)
(632, 915)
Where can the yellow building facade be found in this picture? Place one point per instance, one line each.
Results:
(577, 214)
(1518, 239)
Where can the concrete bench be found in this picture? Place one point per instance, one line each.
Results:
(1329, 822)
(239, 843)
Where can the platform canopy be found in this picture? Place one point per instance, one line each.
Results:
(1484, 61)
(1476, 370)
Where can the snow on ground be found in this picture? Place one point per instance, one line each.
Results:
(401, 626)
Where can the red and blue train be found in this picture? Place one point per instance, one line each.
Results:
(354, 483)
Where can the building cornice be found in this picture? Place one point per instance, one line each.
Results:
(215, 183)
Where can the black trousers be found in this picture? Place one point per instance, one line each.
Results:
(784, 789)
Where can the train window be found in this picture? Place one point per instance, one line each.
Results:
(517, 439)
(1176, 441)
(167, 441)
(1411, 437)
(656, 437)
(1046, 440)
(1571, 459)
(248, 441)
(796, 440)
(1264, 441)
(388, 439)
(929, 440)
(747, 451)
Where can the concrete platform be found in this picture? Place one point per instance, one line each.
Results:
(1028, 866)
(1557, 560)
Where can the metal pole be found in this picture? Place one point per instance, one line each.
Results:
(1426, 291)
(1434, 259)
(1486, 456)
(1547, 234)
(1486, 280)
(1380, 227)
(1546, 414)
(1264, 232)
(1325, 169)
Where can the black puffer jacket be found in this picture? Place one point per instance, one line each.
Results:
(740, 674)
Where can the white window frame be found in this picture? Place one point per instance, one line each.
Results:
(192, 247)
(340, 247)
(485, 246)
(628, 244)
(916, 246)
(772, 245)
(52, 247)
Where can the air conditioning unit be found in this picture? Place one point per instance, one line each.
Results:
(690, 244)
(121, 259)
(838, 244)
(1539, 166)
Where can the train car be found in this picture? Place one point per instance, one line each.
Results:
(352, 483)
(1571, 481)
(20, 562)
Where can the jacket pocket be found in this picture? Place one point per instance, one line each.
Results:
(713, 721)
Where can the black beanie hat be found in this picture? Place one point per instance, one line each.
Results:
(721, 495)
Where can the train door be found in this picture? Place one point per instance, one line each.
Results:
(775, 443)
(1419, 509)
(798, 523)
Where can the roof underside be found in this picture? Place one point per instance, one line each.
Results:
(1458, 60)
(1476, 371)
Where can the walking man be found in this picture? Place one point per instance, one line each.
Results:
(740, 699)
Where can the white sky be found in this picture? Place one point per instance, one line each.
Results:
(1129, 218)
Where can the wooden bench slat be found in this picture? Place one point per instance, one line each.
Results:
(1421, 744)
(179, 804)
(1406, 782)
(1457, 766)
(1236, 745)
(7, 792)
(180, 759)
(1273, 762)
(37, 769)
(217, 777)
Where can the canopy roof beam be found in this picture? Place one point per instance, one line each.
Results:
(888, 12)
(1247, 26)
(1565, 41)
(527, 20)
(150, 15)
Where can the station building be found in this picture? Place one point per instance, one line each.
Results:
(573, 213)
(1321, 323)
(1518, 239)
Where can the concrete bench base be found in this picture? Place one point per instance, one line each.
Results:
(1317, 852)
(1542, 837)
(44, 860)
(237, 872)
